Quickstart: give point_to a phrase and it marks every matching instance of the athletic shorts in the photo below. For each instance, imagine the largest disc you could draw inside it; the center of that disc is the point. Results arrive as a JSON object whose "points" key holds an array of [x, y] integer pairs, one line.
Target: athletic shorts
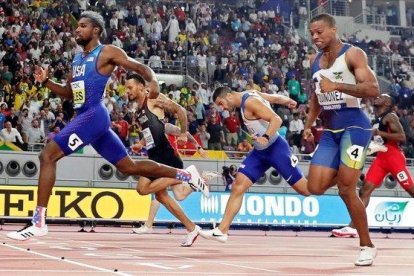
{"points": [[92, 127], [390, 162], [347, 147], [278, 156], [167, 157]]}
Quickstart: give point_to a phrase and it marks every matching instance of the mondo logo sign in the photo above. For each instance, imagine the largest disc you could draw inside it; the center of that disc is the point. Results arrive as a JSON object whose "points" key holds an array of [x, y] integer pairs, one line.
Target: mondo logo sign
{"points": [[267, 205]]}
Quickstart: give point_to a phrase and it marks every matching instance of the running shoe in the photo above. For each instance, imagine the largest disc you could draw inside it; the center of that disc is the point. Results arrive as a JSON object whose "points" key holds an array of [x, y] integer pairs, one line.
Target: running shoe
{"points": [[366, 256], [214, 234], [143, 229], [197, 182], [191, 237], [345, 232], [29, 231], [376, 147], [208, 175]]}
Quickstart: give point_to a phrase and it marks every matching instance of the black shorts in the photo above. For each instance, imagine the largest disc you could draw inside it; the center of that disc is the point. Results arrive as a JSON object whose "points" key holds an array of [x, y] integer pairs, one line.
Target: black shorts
{"points": [[168, 157]]}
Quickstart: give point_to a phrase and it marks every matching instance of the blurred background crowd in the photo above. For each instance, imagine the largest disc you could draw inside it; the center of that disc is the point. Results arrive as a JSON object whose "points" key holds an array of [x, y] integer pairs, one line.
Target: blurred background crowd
{"points": [[255, 46]]}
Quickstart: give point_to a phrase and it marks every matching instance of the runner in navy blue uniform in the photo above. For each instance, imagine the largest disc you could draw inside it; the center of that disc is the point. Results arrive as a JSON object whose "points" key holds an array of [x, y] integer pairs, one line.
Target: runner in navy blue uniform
{"points": [[91, 70], [342, 78], [270, 150]]}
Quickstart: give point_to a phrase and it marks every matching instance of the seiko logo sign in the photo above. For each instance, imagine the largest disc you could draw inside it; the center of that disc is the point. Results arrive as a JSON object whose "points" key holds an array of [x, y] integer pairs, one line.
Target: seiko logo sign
{"points": [[263, 205]]}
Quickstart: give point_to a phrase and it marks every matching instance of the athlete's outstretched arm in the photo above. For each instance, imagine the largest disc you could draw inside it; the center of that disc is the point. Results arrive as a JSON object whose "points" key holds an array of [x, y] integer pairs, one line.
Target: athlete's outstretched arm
{"points": [[175, 130], [397, 132], [366, 82], [278, 99], [118, 57], [41, 76]]}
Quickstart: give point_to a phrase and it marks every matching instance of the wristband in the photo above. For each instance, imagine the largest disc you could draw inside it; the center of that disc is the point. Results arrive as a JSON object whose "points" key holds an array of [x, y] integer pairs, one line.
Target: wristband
{"points": [[266, 136]]}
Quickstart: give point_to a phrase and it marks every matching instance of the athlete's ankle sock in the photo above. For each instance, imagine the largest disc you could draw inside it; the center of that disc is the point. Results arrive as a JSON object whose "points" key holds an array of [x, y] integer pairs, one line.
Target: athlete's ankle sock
{"points": [[39, 218], [183, 175]]}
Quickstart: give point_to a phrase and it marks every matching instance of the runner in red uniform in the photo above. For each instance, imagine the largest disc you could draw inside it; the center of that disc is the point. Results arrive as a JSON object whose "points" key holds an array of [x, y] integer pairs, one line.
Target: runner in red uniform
{"points": [[390, 133]]}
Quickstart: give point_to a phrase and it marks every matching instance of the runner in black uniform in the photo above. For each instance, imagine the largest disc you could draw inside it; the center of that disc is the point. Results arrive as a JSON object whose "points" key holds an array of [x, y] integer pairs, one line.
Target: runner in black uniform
{"points": [[150, 114]]}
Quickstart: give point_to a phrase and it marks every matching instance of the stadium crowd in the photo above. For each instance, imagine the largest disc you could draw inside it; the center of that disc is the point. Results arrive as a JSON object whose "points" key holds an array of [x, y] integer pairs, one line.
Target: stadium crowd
{"points": [[245, 48]]}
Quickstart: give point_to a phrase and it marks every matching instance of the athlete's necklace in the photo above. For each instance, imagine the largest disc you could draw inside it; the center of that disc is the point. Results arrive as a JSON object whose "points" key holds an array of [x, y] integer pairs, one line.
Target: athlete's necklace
{"points": [[85, 53]]}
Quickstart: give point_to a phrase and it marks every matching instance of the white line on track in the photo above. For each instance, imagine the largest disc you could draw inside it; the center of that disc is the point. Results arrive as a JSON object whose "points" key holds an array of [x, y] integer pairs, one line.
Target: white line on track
{"points": [[66, 260], [45, 271], [250, 267]]}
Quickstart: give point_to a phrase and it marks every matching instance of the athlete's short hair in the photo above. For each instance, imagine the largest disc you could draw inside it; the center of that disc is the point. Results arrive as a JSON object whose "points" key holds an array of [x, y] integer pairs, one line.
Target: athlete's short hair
{"points": [[96, 19], [136, 77], [324, 17], [391, 101], [221, 92]]}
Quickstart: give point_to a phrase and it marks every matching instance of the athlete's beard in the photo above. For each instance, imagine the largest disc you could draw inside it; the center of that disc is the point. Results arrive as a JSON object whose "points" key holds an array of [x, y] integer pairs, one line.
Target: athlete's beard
{"points": [[83, 42], [131, 97]]}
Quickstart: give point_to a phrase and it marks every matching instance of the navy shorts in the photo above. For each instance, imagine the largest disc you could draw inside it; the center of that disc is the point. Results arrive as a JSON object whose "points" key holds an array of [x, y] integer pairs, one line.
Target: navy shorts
{"points": [[277, 155], [92, 127]]}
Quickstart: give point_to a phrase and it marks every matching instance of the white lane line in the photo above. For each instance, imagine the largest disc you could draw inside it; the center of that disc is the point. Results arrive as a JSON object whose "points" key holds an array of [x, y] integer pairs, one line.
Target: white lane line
{"points": [[66, 260], [250, 267], [43, 271]]}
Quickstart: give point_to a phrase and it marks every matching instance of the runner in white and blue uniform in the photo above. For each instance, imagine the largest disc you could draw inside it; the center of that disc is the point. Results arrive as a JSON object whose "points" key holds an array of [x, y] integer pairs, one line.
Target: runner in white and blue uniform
{"points": [[270, 149], [86, 86], [342, 78]]}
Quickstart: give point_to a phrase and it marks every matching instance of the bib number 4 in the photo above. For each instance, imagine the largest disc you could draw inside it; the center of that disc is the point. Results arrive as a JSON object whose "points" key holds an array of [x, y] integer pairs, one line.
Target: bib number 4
{"points": [[355, 153]]}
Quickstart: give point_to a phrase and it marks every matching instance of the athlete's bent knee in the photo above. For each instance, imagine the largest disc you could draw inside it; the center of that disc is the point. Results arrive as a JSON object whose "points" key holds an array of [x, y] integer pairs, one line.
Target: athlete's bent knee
{"points": [[45, 157], [238, 189], [161, 197], [179, 197], [346, 192], [316, 190], [143, 190]]}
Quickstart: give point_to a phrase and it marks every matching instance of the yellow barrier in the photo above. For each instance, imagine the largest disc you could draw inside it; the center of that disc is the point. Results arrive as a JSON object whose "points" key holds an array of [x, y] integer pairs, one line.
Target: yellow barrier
{"points": [[124, 204]]}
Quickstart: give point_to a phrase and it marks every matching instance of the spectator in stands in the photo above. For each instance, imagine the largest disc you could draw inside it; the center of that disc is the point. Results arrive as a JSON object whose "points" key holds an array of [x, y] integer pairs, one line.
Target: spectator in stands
{"points": [[155, 62], [293, 88], [36, 137], [232, 127], [10, 134], [59, 121], [216, 134], [203, 135], [244, 146], [121, 128], [295, 128], [173, 28]]}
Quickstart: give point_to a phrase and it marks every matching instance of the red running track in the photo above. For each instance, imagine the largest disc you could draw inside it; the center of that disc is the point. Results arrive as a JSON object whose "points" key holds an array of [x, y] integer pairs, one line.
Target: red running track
{"points": [[116, 251]]}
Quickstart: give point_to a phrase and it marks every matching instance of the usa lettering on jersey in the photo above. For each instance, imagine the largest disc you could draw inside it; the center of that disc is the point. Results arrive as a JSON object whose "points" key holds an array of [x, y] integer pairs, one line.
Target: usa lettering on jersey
{"points": [[79, 71]]}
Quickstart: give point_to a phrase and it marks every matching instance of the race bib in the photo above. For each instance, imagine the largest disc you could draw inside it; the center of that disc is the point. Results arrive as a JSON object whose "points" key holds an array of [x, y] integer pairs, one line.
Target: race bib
{"points": [[355, 153], [78, 89], [149, 140]]}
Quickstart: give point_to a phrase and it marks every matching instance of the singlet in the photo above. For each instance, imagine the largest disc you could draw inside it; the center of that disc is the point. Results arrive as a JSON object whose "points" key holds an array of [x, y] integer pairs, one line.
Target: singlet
{"points": [[339, 110], [88, 85], [256, 127], [383, 127], [153, 130]]}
